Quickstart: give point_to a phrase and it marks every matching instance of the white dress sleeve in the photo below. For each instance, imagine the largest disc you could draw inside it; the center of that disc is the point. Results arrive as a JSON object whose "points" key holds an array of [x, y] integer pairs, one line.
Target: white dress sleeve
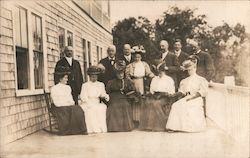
{"points": [[171, 86], [153, 85], [83, 94], [203, 87], [103, 92], [182, 86]]}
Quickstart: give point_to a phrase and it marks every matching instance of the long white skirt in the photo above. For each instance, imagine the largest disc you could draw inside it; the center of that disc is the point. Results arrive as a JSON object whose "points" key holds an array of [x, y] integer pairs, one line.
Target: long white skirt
{"points": [[187, 116], [95, 117]]}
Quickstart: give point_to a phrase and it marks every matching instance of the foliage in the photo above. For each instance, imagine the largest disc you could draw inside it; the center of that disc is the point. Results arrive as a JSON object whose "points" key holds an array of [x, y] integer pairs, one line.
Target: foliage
{"points": [[226, 44]]}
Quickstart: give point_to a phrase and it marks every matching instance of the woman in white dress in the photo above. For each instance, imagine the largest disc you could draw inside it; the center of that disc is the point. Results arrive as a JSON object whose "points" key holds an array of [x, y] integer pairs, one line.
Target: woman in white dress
{"points": [[93, 95], [187, 114]]}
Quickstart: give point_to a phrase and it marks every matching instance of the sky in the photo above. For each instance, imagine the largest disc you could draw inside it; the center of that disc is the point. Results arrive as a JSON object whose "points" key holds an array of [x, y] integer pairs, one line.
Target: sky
{"points": [[231, 12]]}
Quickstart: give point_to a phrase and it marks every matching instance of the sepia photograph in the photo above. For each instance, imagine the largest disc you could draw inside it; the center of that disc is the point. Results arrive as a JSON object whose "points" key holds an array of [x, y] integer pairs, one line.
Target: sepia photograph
{"points": [[124, 79]]}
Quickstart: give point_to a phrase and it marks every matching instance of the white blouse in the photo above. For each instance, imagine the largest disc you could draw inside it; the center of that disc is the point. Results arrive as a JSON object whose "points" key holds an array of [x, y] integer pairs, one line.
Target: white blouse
{"points": [[61, 95], [91, 91], [139, 69], [194, 84], [162, 84]]}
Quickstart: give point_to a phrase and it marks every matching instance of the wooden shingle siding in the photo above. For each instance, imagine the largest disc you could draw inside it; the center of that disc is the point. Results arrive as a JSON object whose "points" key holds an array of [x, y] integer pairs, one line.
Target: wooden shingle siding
{"points": [[23, 115]]}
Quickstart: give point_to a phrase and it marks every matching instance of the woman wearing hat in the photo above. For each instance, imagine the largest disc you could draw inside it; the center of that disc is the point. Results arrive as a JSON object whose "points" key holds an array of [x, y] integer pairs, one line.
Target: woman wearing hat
{"points": [[187, 114], [70, 117], [93, 95], [137, 71], [156, 108], [122, 93]]}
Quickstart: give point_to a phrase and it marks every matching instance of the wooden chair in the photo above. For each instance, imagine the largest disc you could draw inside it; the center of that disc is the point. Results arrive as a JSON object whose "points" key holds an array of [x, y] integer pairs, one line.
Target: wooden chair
{"points": [[52, 117]]}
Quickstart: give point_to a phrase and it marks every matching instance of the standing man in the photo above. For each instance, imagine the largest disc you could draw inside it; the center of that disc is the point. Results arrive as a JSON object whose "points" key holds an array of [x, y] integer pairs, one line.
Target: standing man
{"points": [[205, 66], [127, 57], [172, 65], [181, 56], [108, 64], [75, 79]]}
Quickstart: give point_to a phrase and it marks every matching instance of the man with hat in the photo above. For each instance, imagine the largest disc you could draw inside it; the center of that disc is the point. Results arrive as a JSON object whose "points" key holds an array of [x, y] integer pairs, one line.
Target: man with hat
{"points": [[205, 66], [127, 56], [172, 65], [108, 65], [75, 78]]}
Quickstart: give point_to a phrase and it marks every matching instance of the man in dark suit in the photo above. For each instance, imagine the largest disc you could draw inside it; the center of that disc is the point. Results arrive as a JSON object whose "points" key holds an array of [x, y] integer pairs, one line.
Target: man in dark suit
{"points": [[181, 56], [127, 56], [108, 64], [205, 67], [75, 79], [172, 65]]}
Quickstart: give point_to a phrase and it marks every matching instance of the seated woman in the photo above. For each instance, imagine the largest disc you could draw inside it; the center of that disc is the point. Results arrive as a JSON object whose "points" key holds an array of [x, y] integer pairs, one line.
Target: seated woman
{"points": [[70, 117], [156, 108], [121, 91], [93, 95], [187, 113], [137, 71]]}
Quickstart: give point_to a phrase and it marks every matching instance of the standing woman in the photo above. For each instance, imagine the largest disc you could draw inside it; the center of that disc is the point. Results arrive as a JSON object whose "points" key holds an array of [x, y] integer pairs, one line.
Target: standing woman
{"points": [[93, 95], [70, 117], [121, 91], [137, 71], [156, 108], [187, 114]]}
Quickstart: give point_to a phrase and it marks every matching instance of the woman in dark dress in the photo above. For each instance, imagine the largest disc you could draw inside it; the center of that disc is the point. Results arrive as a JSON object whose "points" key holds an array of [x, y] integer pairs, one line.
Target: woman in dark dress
{"points": [[122, 92], [70, 117], [157, 104]]}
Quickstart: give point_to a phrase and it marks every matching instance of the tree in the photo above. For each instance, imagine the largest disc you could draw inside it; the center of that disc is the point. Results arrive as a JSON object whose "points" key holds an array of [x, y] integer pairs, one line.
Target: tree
{"points": [[134, 31], [182, 24], [226, 44]]}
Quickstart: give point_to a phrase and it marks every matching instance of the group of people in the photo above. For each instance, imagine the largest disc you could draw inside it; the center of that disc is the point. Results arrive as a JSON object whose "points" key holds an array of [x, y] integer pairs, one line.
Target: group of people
{"points": [[115, 98]]}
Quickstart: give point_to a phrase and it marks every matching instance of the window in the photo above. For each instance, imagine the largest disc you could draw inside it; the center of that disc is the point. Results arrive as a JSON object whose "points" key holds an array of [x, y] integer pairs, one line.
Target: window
{"points": [[65, 38], [97, 53], [37, 50], [89, 53], [29, 48], [101, 53], [61, 39], [85, 59], [22, 53]]}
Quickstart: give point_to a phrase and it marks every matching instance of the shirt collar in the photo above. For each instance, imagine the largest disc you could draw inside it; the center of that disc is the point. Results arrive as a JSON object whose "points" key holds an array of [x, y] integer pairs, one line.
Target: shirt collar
{"points": [[69, 59], [177, 53], [111, 58]]}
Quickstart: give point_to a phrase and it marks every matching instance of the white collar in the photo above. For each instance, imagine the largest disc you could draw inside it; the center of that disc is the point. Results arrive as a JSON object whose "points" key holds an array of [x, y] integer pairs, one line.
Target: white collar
{"points": [[69, 59], [177, 53], [164, 54], [111, 58]]}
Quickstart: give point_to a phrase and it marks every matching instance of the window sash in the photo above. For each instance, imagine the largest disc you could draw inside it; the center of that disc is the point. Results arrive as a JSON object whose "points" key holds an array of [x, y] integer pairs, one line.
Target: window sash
{"points": [[42, 84]]}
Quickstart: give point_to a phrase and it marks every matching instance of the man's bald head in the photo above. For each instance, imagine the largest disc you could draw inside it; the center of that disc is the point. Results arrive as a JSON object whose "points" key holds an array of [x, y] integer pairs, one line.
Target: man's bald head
{"points": [[68, 51], [164, 46], [111, 51], [126, 49]]}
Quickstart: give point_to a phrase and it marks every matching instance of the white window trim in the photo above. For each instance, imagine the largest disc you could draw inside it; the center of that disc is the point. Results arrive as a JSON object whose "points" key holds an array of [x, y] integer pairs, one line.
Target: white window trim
{"points": [[31, 90]]}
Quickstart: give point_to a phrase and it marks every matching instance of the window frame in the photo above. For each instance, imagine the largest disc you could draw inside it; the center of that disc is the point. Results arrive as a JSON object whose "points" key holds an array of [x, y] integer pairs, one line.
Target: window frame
{"points": [[31, 90], [66, 30]]}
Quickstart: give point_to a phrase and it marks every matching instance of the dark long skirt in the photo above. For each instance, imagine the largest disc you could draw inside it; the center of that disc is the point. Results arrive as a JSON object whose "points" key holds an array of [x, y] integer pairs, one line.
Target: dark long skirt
{"points": [[154, 114], [119, 113], [71, 120]]}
